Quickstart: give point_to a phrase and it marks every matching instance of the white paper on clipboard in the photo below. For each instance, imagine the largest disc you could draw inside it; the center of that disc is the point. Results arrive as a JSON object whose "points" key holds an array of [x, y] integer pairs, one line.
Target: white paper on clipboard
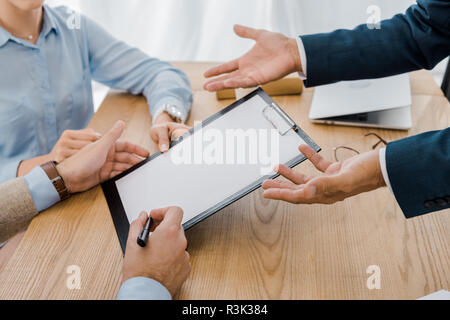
{"points": [[201, 184]]}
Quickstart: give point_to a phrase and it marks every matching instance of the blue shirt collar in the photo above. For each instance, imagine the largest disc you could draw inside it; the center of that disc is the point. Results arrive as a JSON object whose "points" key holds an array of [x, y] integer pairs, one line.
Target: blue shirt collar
{"points": [[49, 22], [4, 36], [48, 26]]}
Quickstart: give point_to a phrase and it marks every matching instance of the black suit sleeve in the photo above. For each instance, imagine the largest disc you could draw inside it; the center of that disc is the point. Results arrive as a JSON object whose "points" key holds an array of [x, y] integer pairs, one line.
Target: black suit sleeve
{"points": [[419, 172]]}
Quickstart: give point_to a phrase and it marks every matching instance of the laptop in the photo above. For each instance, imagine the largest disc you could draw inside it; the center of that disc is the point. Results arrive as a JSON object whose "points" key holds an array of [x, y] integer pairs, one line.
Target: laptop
{"points": [[377, 103]]}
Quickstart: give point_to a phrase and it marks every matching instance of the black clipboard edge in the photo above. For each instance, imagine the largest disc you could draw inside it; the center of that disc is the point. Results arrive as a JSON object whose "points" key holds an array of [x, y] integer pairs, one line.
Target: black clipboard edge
{"points": [[117, 211]]}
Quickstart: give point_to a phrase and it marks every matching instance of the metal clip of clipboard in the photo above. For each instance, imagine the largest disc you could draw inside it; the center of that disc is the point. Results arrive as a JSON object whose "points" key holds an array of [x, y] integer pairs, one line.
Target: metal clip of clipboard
{"points": [[279, 120]]}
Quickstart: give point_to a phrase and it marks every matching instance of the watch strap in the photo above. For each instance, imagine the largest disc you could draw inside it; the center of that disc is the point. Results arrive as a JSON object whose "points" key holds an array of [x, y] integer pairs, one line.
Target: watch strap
{"points": [[56, 179]]}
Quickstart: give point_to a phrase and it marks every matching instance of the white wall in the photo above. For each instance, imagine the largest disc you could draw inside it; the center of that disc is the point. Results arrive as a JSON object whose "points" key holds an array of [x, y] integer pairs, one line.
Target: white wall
{"points": [[201, 30]]}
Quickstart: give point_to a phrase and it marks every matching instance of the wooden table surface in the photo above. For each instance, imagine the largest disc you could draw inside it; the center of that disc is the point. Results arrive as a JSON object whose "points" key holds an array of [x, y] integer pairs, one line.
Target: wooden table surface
{"points": [[255, 248]]}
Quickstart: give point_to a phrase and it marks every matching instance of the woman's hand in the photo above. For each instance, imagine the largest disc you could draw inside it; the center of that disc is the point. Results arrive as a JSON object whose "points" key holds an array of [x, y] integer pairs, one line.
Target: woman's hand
{"points": [[165, 130], [339, 180], [71, 141], [100, 161]]}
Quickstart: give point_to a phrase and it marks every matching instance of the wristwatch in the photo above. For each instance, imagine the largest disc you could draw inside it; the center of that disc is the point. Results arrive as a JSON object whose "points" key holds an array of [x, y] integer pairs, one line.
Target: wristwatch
{"points": [[172, 110], [56, 179]]}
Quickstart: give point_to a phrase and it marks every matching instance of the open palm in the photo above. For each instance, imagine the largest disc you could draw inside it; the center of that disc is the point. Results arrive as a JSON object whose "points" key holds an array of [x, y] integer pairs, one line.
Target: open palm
{"points": [[271, 58], [339, 180]]}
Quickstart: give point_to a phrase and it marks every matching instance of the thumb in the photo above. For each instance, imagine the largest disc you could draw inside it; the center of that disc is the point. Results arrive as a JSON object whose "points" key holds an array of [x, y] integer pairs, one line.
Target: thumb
{"points": [[110, 138], [246, 32], [137, 225]]}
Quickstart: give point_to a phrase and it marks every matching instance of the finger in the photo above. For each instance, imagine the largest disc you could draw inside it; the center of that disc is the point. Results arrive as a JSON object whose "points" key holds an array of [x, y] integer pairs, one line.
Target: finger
{"points": [[121, 167], [158, 216], [214, 86], [246, 32], [290, 174], [128, 147], [270, 184], [92, 131], [177, 133], [137, 225], [319, 162], [218, 83], [302, 195], [175, 126], [223, 68], [85, 134], [182, 239], [77, 144], [110, 138], [128, 158], [288, 195], [240, 82], [176, 130], [64, 154], [173, 217], [231, 82], [114, 174], [163, 139]]}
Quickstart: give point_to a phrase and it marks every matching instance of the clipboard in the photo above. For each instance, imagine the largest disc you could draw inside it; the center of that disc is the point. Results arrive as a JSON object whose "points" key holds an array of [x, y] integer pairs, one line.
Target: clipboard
{"points": [[202, 189]]}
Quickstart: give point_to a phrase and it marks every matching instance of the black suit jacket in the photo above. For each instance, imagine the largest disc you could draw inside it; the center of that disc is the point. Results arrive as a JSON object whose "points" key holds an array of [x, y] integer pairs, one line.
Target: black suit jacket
{"points": [[418, 167]]}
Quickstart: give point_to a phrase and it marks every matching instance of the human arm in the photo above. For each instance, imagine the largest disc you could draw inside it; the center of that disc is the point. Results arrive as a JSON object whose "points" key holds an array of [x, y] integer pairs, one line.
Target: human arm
{"points": [[70, 142], [416, 168], [419, 172], [24, 197], [411, 41], [339, 180], [118, 65], [415, 40]]}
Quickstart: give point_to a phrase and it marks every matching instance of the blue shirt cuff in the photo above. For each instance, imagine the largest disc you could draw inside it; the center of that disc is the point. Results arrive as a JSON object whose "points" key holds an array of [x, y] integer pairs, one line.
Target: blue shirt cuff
{"points": [[42, 191], [141, 288]]}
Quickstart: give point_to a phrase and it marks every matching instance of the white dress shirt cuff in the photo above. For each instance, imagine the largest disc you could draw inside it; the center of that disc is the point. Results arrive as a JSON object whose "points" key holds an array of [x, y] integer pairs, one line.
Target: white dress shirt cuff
{"points": [[141, 288], [301, 49], [42, 191], [384, 168]]}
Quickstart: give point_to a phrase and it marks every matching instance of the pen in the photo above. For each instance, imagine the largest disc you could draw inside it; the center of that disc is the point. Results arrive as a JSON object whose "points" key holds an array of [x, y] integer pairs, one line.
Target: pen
{"points": [[143, 236]]}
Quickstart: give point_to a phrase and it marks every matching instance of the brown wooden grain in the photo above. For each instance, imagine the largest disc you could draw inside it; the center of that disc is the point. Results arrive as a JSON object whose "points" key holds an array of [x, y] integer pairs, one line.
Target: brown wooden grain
{"points": [[255, 248]]}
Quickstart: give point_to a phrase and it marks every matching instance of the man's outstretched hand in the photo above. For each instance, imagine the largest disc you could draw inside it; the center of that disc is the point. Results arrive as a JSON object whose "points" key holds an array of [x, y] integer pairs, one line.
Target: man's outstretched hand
{"points": [[339, 180], [272, 57]]}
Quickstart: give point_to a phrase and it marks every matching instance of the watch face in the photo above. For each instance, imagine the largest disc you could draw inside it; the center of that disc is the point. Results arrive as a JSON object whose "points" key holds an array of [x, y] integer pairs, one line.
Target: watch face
{"points": [[174, 113]]}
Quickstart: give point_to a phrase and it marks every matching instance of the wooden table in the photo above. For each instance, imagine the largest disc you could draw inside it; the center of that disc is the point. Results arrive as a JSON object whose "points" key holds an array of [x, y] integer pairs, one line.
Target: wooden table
{"points": [[254, 249]]}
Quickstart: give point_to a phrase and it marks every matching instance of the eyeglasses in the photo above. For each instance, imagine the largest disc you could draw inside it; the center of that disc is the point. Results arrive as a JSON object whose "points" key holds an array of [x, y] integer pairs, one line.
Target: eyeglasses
{"points": [[344, 152]]}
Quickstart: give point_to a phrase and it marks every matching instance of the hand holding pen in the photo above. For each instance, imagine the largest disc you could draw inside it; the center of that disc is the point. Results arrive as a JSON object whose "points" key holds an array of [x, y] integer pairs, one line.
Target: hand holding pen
{"points": [[164, 257]]}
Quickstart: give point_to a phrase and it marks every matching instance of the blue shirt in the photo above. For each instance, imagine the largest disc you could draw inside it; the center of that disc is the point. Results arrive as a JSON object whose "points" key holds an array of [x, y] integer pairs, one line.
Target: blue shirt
{"points": [[46, 88]]}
